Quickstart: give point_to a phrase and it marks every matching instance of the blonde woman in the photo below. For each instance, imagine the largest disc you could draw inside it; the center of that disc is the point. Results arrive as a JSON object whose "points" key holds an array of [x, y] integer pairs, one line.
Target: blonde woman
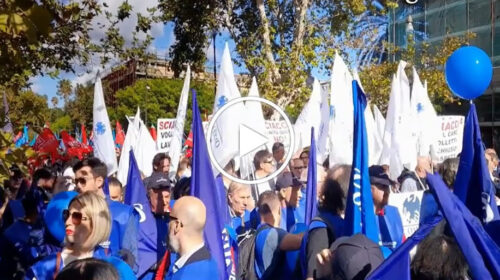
{"points": [[88, 223]]}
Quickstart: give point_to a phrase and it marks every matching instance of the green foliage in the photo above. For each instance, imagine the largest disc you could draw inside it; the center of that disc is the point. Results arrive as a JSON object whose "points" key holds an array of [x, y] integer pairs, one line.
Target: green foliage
{"points": [[279, 42], [10, 155], [64, 90], [160, 101], [79, 108], [62, 123], [428, 60], [27, 107]]}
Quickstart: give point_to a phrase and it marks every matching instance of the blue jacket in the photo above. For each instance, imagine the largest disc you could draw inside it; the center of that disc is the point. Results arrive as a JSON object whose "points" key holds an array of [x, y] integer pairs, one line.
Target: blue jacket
{"points": [[124, 229], [240, 225], [199, 266], [291, 216]]}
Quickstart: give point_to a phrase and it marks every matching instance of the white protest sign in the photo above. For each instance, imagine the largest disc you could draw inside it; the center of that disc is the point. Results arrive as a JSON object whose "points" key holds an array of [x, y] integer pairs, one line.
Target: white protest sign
{"points": [[277, 131], [408, 205], [450, 138], [164, 134]]}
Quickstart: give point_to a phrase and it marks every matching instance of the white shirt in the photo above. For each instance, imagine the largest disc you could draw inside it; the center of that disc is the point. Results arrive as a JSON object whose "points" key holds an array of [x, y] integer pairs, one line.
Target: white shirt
{"points": [[182, 260]]}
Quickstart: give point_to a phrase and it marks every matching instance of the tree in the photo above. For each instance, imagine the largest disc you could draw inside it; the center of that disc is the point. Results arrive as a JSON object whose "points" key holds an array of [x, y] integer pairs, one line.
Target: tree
{"points": [[280, 46], [160, 101], [28, 107], [428, 60], [80, 107], [62, 123], [54, 100], [56, 35], [64, 90]]}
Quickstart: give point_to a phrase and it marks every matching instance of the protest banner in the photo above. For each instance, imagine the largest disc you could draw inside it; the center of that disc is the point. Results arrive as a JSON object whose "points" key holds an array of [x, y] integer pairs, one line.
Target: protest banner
{"points": [[277, 131], [451, 135], [408, 205], [165, 132]]}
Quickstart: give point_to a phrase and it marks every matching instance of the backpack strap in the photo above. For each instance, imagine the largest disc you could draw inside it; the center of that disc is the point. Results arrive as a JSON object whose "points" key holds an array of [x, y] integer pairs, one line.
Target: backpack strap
{"points": [[58, 265]]}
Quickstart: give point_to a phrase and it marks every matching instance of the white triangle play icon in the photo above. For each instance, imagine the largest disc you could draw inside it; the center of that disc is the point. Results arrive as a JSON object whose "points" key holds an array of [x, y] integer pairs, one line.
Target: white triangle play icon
{"points": [[250, 140]]}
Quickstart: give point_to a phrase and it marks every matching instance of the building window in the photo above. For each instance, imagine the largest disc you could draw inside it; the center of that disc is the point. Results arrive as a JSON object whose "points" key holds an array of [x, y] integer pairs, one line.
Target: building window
{"points": [[436, 23], [479, 13], [456, 18]]}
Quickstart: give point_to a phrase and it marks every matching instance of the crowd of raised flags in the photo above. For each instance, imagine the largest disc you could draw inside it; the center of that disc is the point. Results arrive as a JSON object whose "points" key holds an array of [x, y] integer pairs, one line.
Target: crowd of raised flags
{"points": [[338, 127]]}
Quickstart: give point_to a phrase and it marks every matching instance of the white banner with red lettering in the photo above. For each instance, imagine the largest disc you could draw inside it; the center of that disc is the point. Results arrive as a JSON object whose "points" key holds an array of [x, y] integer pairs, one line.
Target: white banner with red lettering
{"points": [[450, 140], [277, 131], [164, 134]]}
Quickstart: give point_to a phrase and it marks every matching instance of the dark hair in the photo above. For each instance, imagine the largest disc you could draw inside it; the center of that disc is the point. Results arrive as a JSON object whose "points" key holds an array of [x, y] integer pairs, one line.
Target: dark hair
{"points": [[266, 199], [98, 167], [30, 206], [334, 197], [114, 181], [259, 158], [438, 257], [42, 173], [277, 146], [159, 157], [448, 171], [182, 188], [88, 269], [229, 166]]}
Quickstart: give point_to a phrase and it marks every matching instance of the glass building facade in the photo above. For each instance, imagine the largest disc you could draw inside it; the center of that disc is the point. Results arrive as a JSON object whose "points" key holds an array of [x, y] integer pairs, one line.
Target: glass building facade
{"points": [[434, 20]]}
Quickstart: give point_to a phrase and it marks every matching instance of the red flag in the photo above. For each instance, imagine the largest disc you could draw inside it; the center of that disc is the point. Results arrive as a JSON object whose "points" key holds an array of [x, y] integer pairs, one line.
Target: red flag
{"points": [[73, 147], [152, 130], [189, 140], [18, 136], [46, 142], [120, 135], [84, 135]]}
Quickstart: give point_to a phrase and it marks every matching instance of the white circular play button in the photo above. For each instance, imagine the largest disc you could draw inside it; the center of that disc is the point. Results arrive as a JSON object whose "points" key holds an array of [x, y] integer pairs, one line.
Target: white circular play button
{"points": [[250, 139]]}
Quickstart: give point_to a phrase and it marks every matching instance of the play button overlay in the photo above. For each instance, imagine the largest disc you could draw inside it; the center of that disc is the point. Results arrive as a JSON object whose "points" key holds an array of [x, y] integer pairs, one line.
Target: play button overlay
{"points": [[250, 140]]}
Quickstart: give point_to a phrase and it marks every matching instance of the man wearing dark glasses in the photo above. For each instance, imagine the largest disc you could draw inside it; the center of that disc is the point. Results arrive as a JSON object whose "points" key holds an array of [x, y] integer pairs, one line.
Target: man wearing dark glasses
{"points": [[90, 175]]}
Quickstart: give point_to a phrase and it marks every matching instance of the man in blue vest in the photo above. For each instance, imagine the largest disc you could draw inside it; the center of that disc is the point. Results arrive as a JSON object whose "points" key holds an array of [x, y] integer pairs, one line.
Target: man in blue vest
{"points": [[90, 175], [289, 191], [271, 242], [388, 218], [185, 237], [159, 199]]}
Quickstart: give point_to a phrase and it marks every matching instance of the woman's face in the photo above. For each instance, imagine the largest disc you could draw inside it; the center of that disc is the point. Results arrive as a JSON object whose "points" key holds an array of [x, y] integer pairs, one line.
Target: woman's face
{"points": [[78, 225]]}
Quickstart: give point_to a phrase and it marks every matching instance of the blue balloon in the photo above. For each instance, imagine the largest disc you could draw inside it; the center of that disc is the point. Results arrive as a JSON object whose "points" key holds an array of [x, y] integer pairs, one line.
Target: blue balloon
{"points": [[468, 72], [53, 216]]}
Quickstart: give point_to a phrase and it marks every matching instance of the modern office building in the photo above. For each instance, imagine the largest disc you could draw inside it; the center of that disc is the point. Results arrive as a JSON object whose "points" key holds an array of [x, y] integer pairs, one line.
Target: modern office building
{"points": [[433, 20]]}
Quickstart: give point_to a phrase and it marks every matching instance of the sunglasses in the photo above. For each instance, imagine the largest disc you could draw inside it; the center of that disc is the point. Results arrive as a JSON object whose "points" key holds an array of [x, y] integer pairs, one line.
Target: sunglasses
{"points": [[172, 218], [76, 217]]}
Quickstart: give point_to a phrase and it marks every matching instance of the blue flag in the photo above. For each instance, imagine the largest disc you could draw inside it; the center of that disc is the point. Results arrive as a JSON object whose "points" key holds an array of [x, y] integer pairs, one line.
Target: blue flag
{"points": [[311, 196], [203, 186], [135, 196], [473, 182], [33, 141], [397, 265], [479, 250], [360, 214], [24, 139]]}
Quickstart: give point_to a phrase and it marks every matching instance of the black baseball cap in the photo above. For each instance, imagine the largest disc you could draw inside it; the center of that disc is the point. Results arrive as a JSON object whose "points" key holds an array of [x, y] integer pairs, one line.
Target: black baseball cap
{"points": [[286, 180], [159, 181], [379, 177], [355, 257]]}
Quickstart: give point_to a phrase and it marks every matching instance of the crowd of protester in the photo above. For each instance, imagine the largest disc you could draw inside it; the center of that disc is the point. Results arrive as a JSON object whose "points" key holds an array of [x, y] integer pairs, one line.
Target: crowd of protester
{"points": [[268, 221]]}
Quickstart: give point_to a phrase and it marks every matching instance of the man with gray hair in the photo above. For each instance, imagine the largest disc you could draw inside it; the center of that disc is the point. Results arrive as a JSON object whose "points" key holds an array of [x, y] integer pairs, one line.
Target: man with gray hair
{"points": [[415, 180]]}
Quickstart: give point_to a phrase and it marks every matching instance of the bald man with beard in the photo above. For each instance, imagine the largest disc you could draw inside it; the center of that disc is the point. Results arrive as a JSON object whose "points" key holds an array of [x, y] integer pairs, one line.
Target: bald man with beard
{"points": [[185, 236]]}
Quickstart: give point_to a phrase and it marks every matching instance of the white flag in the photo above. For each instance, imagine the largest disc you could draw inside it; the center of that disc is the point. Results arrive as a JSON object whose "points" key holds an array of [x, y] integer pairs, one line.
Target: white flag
{"points": [[379, 120], [254, 118], [178, 135], [104, 146], [398, 149], [324, 128], [341, 114], [374, 140], [226, 129], [309, 117], [129, 144], [145, 150], [424, 118]]}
